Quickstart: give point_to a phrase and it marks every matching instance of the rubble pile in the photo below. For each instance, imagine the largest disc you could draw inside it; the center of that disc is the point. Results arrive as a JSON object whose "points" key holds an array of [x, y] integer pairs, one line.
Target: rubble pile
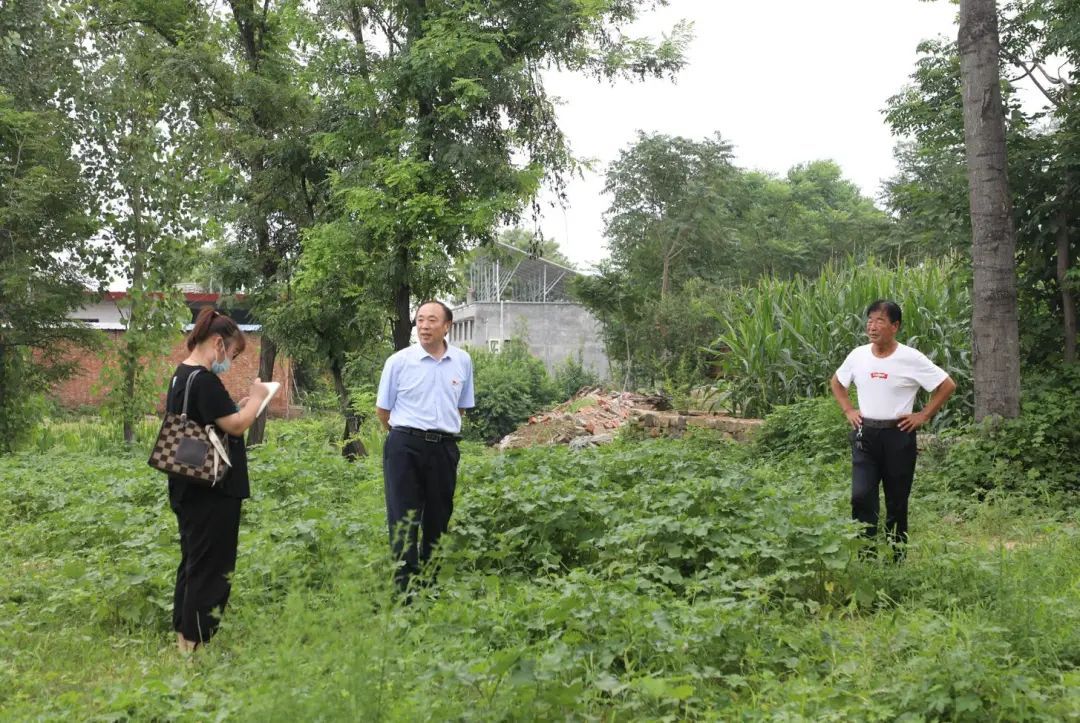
{"points": [[590, 413], [593, 417]]}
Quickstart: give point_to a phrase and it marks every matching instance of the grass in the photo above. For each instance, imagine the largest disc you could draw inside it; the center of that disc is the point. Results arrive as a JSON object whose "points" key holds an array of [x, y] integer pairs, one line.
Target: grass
{"points": [[658, 580]]}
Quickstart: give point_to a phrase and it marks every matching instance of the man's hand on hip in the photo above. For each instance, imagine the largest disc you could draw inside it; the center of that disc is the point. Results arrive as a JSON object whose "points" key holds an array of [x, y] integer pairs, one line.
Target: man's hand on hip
{"points": [[854, 417], [911, 422]]}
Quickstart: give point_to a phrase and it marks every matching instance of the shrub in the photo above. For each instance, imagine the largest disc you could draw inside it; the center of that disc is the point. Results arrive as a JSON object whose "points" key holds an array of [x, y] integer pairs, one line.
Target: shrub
{"points": [[1037, 453], [571, 376], [810, 429], [511, 386]]}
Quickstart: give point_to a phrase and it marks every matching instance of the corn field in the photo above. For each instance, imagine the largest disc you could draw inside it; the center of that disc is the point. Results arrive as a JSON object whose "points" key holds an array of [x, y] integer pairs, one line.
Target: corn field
{"points": [[783, 339]]}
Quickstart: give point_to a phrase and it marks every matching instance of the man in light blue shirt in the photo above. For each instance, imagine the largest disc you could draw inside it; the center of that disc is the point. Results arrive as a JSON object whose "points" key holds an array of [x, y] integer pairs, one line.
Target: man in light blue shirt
{"points": [[423, 393]]}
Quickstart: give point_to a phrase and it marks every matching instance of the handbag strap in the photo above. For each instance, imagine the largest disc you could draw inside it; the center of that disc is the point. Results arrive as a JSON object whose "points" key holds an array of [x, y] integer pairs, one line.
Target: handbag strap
{"points": [[187, 392]]}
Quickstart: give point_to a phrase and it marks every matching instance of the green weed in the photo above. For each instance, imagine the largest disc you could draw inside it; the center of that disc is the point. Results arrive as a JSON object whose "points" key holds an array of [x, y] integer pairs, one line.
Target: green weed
{"points": [[660, 580]]}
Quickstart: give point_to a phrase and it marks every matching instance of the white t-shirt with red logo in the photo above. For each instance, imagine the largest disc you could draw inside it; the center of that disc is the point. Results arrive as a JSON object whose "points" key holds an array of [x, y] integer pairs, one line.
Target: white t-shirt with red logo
{"points": [[886, 388]]}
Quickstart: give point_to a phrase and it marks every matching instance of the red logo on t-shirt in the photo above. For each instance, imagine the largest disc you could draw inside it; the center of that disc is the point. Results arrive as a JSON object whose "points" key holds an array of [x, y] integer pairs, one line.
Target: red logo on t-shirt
{"points": [[879, 375]]}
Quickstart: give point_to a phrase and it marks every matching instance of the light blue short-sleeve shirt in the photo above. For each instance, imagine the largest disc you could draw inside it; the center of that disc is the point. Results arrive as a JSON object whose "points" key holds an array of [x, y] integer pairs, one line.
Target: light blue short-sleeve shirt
{"points": [[426, 393]]}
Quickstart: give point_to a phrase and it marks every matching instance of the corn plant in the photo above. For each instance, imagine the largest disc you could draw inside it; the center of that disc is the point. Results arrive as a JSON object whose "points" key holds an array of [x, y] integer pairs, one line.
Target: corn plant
{"points": [[783, 339]]}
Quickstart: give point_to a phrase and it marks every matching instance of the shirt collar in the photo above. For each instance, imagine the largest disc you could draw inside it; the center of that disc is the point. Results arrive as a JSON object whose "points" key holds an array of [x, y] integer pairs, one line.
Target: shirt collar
{"points": [[420, 353]]}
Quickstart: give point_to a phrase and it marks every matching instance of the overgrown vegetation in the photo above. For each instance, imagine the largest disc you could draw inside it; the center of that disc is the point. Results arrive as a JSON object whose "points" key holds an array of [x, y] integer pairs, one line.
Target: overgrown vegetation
{"points": [[510, 386], [687, 228], [1037, 454], [781, 340], [687, 580]]}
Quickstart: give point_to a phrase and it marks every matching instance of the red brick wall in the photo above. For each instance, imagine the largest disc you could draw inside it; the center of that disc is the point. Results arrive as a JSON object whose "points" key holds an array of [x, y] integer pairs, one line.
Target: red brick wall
{"points": [[84, 387]]}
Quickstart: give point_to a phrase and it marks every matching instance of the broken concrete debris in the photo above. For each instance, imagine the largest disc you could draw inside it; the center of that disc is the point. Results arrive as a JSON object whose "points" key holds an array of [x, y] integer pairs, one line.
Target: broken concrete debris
{"points": [[593, 416]]}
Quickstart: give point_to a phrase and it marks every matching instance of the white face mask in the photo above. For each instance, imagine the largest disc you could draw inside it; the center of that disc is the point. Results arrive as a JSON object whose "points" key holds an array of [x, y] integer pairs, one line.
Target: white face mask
{"points": [[220, 367]]}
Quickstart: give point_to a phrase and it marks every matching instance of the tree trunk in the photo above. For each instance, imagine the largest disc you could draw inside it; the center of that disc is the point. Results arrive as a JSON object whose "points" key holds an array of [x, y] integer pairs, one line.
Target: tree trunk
{"points": [[402, 331], [5, 443], [414, 16], [665, 277], [402, 318], [130, 355], [994, 323], [267, 357], [351, 447], [1068, 303]]}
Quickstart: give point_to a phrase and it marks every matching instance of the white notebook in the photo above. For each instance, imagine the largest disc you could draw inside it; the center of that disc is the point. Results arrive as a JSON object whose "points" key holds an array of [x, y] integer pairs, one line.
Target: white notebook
{"points": [[273, 388]]}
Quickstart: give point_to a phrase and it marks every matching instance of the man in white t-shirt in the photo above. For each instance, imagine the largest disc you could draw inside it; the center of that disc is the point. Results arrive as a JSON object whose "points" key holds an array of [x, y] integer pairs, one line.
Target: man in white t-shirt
{"points": [[887, 376]]}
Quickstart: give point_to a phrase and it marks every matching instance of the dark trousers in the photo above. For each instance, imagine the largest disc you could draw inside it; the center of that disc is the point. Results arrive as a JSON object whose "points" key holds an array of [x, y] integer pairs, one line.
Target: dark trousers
{"points": [[419, 479], [209, 529], [888, 456]]}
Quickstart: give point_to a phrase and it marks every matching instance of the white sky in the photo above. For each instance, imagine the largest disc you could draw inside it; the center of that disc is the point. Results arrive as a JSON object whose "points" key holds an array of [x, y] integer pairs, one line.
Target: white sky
{"points": [[785, 81]]}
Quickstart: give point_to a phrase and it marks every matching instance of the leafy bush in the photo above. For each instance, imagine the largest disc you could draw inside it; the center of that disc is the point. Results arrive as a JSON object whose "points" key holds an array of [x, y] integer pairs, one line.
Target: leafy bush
{"points": [[22, 400], [511, 386], [783, 340], [813, 429], [667, 339], [1035, 454]]}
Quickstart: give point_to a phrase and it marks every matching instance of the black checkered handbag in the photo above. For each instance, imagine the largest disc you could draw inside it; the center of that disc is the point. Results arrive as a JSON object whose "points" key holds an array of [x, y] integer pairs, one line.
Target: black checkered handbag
{"points": [[186, 449]]}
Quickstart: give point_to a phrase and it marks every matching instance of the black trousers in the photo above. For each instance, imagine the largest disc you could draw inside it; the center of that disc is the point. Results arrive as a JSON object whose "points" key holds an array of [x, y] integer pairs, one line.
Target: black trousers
{"points": [[419, 479], [888, 456], [209, 530]]}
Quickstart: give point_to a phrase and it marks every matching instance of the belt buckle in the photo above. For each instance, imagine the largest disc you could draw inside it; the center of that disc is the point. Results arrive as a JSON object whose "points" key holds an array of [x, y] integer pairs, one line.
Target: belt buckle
{"points": [[432, 437]]}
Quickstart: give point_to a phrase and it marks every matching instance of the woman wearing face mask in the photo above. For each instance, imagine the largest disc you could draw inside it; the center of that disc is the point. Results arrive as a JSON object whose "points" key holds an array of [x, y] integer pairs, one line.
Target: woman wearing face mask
{"points": [[209, 517]]}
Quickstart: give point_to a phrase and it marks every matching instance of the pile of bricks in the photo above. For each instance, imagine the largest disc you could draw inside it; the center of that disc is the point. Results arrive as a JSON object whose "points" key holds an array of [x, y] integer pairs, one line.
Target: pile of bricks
{"points": [[590, 413]]}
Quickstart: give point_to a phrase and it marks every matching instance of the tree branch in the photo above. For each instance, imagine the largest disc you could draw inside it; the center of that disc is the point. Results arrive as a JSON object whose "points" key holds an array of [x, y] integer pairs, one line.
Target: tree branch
{"points": [[156, 29], [1030, 73], [388, 31]]}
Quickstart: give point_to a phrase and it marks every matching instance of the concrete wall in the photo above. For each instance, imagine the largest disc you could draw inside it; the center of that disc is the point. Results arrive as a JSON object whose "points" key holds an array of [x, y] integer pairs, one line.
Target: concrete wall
{"points": [[554, 331]]}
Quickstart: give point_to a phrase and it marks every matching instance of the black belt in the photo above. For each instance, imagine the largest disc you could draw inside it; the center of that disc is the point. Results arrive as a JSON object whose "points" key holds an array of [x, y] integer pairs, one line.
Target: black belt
{"points": [[880, 423], [433, 436]]}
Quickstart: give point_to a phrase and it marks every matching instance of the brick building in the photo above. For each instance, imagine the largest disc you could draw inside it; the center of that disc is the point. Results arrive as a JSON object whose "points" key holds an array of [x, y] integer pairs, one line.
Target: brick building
{"points": [[84, 387]]}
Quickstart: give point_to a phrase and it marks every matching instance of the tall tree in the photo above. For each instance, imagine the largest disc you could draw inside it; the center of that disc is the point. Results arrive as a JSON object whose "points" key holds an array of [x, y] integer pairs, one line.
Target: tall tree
{"points": [[1045, 29], [139, 151], [995, 322], [442, 130], [46, 258], [240, 66], [930, 194], [263, 125], [671, 210]]}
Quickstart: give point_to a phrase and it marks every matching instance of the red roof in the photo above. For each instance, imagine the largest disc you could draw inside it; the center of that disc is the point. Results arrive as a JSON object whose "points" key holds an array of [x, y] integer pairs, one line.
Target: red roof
{"points": [[189, 297]]}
